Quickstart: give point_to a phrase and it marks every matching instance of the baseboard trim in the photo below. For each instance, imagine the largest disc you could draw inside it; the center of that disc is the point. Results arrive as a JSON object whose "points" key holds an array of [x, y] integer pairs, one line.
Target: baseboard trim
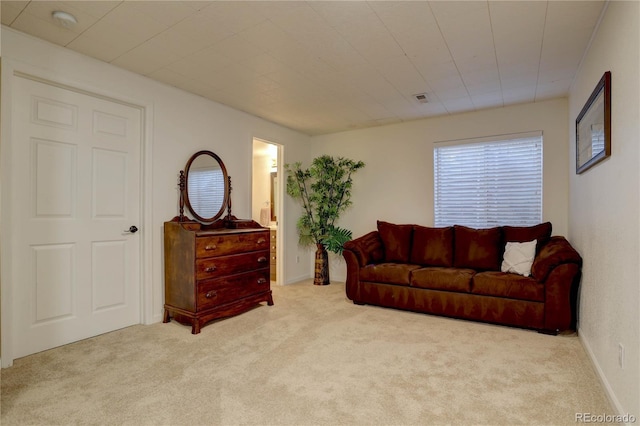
{"points": [[338, 278], [603, 379], [298, 279]]}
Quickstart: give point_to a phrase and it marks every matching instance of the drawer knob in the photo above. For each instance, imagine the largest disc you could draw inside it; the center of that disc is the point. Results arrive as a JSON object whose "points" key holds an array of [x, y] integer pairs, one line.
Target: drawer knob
{"points": [[262, 259], [262, 241], [210, 268], [261, 280], [210, 294], [211, 247]]}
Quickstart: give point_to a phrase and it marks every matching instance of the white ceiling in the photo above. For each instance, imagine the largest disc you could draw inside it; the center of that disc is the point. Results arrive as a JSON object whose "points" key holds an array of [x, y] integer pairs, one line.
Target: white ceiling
{"points": [[327, 66]]}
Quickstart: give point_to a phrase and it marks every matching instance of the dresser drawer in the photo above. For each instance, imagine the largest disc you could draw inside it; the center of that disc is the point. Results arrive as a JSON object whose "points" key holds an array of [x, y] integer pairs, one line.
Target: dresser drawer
{"points": [[221, 245], [228, 289], [216, 267]]}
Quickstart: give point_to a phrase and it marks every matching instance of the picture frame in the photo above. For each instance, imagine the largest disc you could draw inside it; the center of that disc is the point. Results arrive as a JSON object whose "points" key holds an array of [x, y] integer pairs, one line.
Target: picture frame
{"points": [[593, 127]]}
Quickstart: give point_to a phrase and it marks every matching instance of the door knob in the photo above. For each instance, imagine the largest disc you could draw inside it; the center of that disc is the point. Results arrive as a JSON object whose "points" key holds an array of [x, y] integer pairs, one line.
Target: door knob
{"points": [[132, 230]]}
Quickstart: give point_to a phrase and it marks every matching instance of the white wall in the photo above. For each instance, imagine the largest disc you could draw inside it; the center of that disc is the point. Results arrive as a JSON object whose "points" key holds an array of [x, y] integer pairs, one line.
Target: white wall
{"points": [[396, 184], [180, 124], [604, 211]]}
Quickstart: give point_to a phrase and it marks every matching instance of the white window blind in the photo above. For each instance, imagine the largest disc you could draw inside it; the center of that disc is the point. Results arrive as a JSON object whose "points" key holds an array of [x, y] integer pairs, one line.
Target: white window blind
{"points": [[489, 183]]}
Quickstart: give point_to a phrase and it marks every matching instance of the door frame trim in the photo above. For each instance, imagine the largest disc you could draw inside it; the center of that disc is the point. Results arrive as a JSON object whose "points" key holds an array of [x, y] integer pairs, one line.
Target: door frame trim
{"points": [[12, 69], [280, 271]]}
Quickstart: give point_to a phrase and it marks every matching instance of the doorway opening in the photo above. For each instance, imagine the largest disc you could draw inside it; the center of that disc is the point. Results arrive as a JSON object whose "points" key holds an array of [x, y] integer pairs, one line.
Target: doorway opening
{"points": [[266, 199]]}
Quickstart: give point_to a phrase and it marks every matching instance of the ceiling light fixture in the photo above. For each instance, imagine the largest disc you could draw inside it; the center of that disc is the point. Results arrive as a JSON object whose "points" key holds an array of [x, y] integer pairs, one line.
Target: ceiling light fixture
{"points": [[64, 19]]}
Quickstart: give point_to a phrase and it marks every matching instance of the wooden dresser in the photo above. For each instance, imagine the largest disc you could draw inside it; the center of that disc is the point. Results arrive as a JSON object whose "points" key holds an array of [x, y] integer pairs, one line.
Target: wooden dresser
{"points": [[214, 273]]}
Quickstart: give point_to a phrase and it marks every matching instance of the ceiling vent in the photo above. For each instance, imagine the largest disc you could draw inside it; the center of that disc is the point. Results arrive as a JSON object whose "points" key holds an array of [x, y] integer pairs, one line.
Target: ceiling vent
{"points": [[422, 98]]}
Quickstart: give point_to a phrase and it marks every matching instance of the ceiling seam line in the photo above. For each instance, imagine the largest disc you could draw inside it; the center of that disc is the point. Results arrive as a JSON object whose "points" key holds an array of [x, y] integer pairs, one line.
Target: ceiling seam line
{"points": [[495, 54], [90, 26], [544, 30], [451, 55], [424, 80], [395, 116]]}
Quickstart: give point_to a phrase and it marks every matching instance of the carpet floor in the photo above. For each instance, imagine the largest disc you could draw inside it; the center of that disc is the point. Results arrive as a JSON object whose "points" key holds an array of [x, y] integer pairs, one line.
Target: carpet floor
{"points": [[314, 358]]}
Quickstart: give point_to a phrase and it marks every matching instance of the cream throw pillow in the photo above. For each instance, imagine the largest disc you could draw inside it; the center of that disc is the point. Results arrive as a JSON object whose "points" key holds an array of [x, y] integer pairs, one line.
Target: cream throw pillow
{"points": [[518, 257]]}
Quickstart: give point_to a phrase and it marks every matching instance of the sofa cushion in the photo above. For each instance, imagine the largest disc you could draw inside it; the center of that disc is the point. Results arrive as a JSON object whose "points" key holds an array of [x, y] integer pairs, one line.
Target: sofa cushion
{"points": [[479, 249], [512, 286], [396, 240], [432, 246], [392, 273], [518, 257], [521, 234], [449, 279]]}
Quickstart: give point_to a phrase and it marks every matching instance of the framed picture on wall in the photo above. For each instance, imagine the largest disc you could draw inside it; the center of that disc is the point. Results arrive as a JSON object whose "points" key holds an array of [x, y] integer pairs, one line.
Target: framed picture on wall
{"points": [[593, 127]]}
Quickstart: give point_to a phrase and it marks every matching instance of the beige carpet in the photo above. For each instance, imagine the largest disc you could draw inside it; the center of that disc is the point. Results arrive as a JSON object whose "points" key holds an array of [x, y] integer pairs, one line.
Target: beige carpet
{"points": [[313, 358]]}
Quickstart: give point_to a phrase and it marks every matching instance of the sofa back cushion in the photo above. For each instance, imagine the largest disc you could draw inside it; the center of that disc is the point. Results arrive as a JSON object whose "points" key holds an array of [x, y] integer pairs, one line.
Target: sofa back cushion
{"points": [[523, 234], [396, 240], [432, 246], [479, 249]]}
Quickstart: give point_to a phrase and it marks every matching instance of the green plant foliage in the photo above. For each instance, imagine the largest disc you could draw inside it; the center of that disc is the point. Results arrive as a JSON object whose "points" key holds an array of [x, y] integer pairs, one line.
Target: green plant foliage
{"points": [[324, 189], [336, 237]]}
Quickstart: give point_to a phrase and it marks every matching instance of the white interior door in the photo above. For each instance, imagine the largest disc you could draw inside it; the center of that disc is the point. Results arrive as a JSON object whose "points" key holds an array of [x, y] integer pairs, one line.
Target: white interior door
{"points": [[75, 183]]}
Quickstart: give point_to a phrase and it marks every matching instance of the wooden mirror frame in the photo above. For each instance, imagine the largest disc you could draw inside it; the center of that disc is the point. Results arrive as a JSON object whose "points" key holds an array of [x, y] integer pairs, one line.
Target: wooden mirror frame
{"points": [[601, 94], [184, 192]]}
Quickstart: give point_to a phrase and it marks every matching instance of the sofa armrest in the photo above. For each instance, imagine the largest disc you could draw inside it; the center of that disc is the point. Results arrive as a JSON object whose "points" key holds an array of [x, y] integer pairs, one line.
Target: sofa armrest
{"points": [[367, 248], [358, 253], [559, 266], [352, 282], [561, 295], [555, 252]]}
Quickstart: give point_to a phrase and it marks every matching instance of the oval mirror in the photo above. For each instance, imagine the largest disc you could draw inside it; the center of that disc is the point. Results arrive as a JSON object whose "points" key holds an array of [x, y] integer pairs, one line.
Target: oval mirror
{"points": [[206, 186]]}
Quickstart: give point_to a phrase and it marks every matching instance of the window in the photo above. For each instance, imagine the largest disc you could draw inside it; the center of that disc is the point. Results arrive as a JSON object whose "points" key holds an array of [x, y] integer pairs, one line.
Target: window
{"points": [[483, 184]]}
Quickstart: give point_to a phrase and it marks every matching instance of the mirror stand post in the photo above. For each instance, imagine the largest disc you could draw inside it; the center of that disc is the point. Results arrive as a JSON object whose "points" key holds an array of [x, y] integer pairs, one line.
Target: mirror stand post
{"points": [[181, 185], [229, 217], [230, 220]]}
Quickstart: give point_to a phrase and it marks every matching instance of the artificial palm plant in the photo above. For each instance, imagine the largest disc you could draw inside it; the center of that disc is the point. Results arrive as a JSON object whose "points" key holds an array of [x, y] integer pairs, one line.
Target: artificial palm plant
{"points": [[324, 189]]}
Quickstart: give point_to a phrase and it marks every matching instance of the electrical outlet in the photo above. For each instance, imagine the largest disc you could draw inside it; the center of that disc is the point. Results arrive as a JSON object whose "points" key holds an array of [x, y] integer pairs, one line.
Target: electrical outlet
{"points": [[620, 355]]}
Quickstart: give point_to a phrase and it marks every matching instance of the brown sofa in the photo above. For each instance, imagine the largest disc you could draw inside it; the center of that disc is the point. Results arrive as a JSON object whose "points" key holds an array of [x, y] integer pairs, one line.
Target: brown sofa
{"points": [[456, 272]]}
